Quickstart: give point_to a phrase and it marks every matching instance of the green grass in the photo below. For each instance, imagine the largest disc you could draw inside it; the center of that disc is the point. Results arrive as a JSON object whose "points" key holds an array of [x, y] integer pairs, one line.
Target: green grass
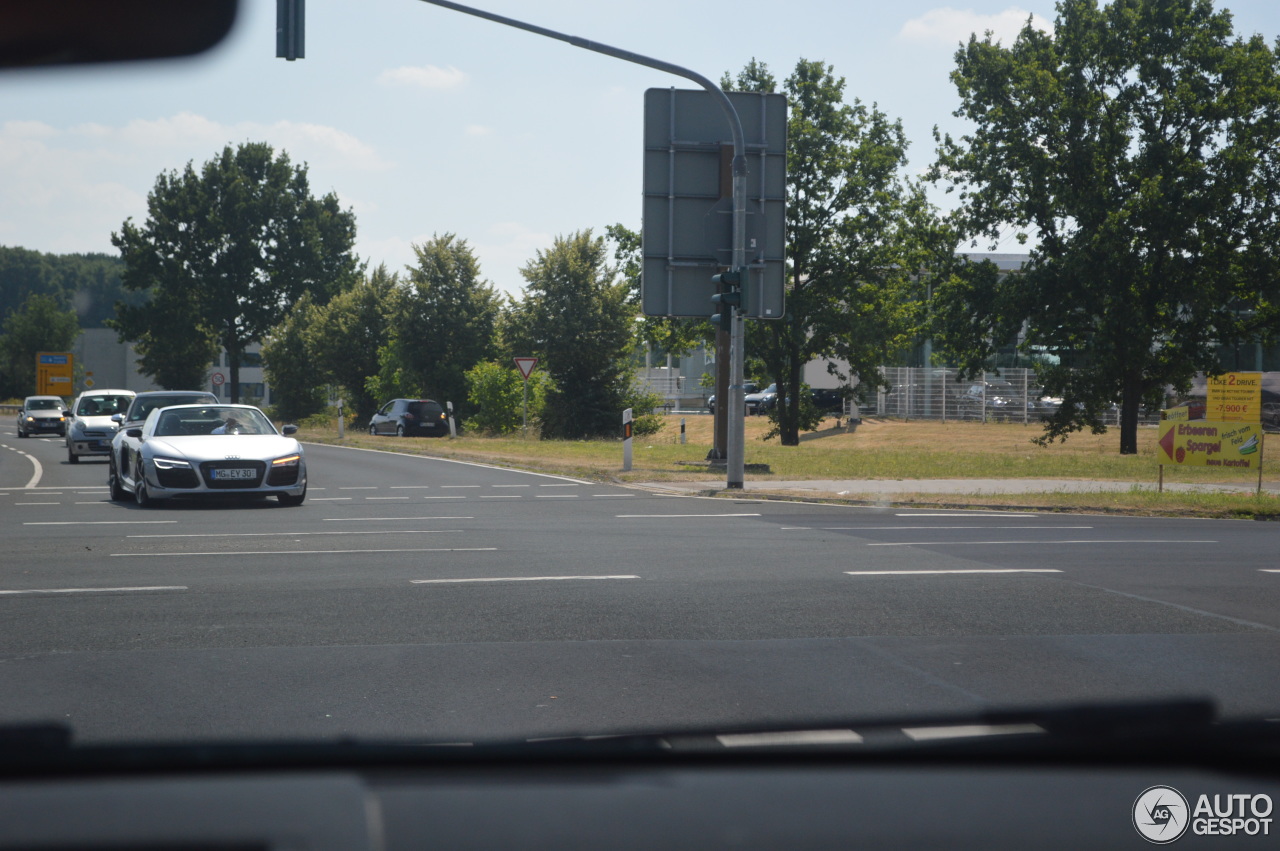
{"points": [[877, 450]]}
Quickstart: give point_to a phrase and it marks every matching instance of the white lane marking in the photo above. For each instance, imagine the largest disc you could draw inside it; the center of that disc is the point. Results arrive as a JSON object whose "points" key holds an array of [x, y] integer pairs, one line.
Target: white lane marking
{"points": [[94, 522], [444, 497], [306, 552], [1267, 570], [410, 487], [299, 534], [37, 503], [459, 486], [35, 477], [503, 496], [936, 572], [791, 737], [614, 495], [360, 488], [924, 734], [960, 514], [96, 590], [557, 496], [917, 528], [641, 516], [94, 502], [517, 579], [393, 519], [1032, 541], [565, 485], [384, 498], [511, 486], [330, 499]]}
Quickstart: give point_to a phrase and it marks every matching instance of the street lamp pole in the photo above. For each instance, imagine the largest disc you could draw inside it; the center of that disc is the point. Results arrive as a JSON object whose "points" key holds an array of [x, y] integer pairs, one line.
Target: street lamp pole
{"points": [[736, 437]]}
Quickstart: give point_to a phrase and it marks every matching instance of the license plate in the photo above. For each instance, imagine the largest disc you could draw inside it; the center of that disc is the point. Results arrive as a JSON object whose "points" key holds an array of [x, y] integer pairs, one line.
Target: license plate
{"points": [[235, 473]]}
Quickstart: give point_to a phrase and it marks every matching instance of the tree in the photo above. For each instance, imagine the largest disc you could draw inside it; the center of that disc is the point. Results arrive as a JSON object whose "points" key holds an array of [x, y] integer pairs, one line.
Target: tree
{"points": [[41, 324], [858, 236], [238, 244], [577, 320], [443, 325], [297, 384], [345, 335], [88, 283], [1137, 143]]}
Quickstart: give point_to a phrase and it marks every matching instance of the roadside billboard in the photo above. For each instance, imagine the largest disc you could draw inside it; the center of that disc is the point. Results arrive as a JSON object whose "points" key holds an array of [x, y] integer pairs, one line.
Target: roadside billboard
{"points": [[1234, 397], [1210, 443]]}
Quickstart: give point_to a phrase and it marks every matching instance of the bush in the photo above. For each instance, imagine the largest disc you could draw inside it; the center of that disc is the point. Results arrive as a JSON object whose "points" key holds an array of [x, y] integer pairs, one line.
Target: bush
{"points": [[496, 393]]}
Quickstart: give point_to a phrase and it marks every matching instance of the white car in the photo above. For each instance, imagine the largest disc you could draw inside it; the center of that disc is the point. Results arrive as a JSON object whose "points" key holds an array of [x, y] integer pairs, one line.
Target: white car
{"points": [[92, 426], [208, 449]]}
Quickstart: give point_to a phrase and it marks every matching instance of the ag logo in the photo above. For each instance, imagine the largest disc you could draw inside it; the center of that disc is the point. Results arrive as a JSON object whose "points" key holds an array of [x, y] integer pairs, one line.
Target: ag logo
{"points": [[1160, 814]]}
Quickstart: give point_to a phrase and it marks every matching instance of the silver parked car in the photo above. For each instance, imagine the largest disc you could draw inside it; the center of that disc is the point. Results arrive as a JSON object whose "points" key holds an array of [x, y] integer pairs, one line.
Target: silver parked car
{"points": [[92, 426], [42, 415], [203, 450]]}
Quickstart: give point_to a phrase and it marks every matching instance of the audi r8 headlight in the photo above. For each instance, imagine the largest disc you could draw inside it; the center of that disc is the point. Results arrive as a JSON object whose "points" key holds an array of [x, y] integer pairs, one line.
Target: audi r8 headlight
{"points": [[287, 461], [170, 464]]}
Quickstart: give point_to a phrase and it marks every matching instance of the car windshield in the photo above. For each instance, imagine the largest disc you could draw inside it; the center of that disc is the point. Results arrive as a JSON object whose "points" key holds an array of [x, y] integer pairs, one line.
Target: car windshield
{"points": [[1008, 239], [102, 406], [143, 406], [219, 421]]}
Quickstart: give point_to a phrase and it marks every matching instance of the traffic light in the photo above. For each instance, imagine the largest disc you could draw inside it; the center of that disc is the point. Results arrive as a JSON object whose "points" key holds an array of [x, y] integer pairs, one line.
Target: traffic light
{"points": [[732, 295], [290, 15]]}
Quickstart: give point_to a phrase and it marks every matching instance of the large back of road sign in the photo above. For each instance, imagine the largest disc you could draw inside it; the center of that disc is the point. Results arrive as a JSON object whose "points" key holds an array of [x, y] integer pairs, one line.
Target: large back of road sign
{"points": [[688, 212]]}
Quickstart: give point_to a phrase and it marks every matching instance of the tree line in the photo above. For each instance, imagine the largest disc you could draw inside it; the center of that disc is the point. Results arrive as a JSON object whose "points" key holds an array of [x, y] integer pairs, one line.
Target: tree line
{"points": [[1134, 150]]}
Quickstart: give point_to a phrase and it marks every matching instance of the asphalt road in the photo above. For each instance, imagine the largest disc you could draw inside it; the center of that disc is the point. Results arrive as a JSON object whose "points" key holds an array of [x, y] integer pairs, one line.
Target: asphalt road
{"points": [[412, 597]]}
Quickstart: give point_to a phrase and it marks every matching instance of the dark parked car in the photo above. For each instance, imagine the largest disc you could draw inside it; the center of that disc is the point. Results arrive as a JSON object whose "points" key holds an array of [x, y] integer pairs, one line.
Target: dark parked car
{"points": [[748, 387], [411, 417], [827, 400]]}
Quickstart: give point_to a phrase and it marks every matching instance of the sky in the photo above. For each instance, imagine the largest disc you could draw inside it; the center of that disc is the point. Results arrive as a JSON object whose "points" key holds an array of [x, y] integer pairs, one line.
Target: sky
{"points": [[427, 121]]}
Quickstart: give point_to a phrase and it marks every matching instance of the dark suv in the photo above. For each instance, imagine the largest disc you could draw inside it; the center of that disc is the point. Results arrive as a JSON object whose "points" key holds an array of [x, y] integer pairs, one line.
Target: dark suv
{"points": [[409, 417]]}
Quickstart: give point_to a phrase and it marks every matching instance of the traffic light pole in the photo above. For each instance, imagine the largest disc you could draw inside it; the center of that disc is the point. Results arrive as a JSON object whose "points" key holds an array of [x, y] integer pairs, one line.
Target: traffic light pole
{"points": [[736, 435]]}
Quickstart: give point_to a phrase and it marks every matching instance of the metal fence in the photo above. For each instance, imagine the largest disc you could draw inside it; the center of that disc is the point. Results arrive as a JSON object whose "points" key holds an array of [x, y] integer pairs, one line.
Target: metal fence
{"points": [[935, 393]]}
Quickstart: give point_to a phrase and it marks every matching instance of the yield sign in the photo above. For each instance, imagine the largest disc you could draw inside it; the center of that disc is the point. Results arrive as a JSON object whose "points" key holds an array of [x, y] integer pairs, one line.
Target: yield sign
{"points": [[525, 365]]}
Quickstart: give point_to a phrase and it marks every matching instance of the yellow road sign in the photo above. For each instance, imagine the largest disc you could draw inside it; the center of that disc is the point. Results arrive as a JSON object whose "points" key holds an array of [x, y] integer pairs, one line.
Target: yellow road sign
{"points": [[53, 373], [1234, 397], [1210, 443]]}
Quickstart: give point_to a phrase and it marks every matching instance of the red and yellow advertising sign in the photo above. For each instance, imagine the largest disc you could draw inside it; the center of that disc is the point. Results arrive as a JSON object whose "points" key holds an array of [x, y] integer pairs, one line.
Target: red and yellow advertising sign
{"points": [[1210, 443], [1234, 397]]}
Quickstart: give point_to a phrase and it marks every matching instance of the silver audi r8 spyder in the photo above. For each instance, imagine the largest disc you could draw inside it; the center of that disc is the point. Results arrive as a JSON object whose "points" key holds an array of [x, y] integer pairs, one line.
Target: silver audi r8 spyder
{"points": [[205, 450]]}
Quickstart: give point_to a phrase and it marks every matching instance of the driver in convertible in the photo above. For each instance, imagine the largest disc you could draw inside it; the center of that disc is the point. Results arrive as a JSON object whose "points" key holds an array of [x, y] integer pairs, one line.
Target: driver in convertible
{"points": [[230, 426]]}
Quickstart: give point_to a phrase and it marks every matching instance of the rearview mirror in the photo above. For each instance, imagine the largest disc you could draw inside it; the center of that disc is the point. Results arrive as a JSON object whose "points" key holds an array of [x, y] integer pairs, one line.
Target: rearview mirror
{"points": [[69, 32]]}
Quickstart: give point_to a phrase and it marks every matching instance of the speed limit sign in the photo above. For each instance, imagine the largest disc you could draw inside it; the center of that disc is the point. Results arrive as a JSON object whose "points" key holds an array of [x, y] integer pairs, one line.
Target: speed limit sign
{"points": [[218, 379]]}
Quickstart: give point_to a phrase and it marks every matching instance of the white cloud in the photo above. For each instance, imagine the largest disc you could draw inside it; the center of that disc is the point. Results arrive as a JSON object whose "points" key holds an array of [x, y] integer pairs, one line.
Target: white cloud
{"points": [[949, 26], [68, 188], [478, 130], [426, 76], [505, 248], [27, 130]]}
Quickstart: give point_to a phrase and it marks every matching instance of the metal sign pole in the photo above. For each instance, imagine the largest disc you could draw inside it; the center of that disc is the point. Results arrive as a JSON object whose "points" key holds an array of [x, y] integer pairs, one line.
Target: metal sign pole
{"points": [[736, 428]]}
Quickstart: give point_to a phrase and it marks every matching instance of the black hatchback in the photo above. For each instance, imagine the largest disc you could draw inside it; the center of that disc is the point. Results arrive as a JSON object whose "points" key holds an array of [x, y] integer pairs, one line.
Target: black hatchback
{"points": [[410, 417]]}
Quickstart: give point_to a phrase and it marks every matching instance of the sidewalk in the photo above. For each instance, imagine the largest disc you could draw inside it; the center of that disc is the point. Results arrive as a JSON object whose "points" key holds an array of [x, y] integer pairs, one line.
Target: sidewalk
{"points": [[861, 488]]}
